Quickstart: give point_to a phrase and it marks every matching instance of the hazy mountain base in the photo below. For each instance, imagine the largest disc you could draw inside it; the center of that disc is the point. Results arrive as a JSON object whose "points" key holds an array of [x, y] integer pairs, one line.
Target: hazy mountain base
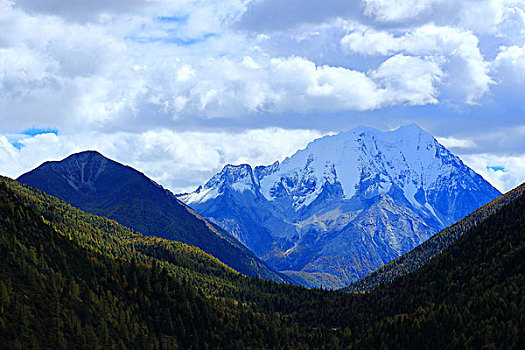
{"points": [[323, 280]]}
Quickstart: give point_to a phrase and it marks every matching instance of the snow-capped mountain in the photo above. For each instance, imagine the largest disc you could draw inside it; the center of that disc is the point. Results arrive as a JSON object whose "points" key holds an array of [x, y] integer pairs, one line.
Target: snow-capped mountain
{"points": [[346, 204]]}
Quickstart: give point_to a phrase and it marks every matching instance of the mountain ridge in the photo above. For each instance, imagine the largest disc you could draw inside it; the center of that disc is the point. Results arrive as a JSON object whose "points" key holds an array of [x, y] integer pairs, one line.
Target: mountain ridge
{"points": [[73, 279], [100, 186], [313, 211]]}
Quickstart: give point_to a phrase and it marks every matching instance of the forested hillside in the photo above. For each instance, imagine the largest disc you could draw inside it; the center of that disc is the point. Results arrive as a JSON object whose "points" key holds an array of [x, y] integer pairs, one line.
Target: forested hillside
{"points": [[204, 272], [470, 296], [101, 186], [83, 281], [70, 279]]}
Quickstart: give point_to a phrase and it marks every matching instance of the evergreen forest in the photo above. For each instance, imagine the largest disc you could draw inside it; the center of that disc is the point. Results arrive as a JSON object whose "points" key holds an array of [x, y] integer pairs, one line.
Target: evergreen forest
{"points": [[69, 280]]}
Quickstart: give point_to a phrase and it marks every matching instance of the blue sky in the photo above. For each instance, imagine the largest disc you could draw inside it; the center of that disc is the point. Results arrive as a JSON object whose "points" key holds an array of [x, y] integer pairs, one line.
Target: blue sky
{"points": [[179, 88]]}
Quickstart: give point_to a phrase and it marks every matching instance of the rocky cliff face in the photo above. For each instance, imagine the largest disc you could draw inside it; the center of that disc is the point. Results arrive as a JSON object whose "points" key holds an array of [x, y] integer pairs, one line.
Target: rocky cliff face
{"points": [[346, 204]]}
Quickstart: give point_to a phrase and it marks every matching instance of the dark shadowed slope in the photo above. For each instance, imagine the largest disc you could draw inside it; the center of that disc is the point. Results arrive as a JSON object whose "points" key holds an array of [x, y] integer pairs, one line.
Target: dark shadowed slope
{"points": [[71, 280], [100, 186], [422, 254]]}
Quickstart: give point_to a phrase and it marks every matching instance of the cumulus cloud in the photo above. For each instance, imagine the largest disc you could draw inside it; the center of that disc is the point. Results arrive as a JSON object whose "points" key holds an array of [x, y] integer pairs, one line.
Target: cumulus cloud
{"points": [[398, 10], [143, 70], [424, 40], [301, 85], [138, 71], [456, 49], [295, 84], [409, 80], [178, 160], [499, 17], [509, 64], [503, 172], [93, 78]]}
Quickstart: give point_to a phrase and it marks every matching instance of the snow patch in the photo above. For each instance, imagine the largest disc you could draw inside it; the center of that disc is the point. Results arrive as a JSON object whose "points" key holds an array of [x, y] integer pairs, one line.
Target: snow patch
{"points": [[200, 196]]}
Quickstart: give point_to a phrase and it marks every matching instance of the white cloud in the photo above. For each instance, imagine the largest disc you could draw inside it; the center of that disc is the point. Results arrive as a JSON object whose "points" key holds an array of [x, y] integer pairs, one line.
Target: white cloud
{"points": [[397, 10], [117, 82], [409, 80], [424, 40], [301, 85], [452, 142], [456, 49], [178, 160], [509, 64], [20, 66], [504, 172], [494, 17], [134, 69]]}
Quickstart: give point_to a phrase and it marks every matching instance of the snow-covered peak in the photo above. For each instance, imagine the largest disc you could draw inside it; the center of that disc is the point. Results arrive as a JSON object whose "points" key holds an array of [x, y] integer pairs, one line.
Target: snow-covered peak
{"points": [[407, 157], [237, 177], [346, 203], [262, 171], [364, 160], [232, 174]]}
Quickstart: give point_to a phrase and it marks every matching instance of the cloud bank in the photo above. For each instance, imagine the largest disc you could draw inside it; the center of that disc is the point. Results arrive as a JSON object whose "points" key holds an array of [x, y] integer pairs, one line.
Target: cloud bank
{"points": [[122, 75]]}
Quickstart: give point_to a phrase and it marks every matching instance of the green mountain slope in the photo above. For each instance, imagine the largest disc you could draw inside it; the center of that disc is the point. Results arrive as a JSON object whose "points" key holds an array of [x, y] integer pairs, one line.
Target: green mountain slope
{"points": [[100, 186], [204, 272], [422, 254], [54, 294], [74, 280]]}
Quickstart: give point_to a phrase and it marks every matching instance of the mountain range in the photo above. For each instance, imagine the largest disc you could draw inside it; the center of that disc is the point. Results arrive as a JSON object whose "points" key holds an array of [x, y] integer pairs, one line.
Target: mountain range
{"points": [[345, 205], [69, 279], [100, 186]]}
